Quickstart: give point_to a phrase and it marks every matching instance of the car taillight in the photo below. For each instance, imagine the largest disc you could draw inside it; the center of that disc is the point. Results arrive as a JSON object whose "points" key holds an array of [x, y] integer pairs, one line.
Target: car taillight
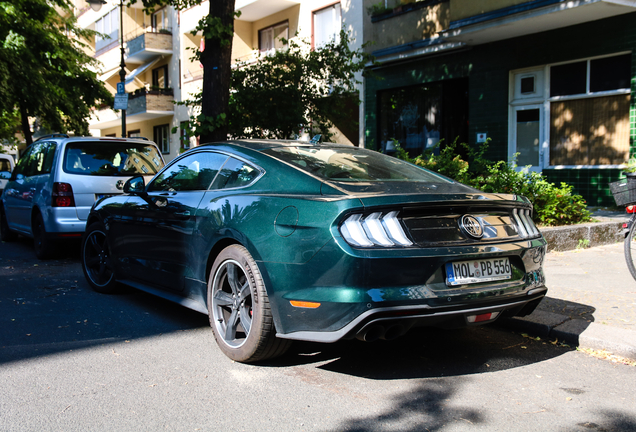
{"points": [[525, 226], [374, 230], [62, 195]]}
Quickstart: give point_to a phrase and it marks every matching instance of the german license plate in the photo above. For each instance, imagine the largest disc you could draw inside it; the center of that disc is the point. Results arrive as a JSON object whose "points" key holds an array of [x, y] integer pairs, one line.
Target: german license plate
{"points": [[475, 271]]}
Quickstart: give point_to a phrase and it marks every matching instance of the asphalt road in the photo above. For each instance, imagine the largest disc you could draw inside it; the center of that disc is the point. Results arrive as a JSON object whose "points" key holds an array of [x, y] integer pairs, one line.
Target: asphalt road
{"points": [[75, 360]]}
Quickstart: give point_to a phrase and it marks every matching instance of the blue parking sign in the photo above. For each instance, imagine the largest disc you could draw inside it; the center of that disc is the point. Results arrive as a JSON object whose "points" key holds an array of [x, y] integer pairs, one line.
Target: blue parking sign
{"points": [[121, 88]]}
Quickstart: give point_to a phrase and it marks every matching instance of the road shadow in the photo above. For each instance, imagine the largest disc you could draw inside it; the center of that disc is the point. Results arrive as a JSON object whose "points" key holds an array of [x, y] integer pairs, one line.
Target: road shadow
{"points": [[426, 353], [570, 309], [555, 319], [47, 307]]}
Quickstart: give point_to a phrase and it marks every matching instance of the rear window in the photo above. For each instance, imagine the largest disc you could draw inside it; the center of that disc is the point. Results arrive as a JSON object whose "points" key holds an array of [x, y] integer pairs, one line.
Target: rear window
{"points": [[5, 165], [352, 164], [111, 159]]}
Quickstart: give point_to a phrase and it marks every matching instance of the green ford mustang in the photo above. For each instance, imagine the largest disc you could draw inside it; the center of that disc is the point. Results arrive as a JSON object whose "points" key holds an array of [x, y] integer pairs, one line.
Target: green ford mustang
{"points": [[284, 240]]}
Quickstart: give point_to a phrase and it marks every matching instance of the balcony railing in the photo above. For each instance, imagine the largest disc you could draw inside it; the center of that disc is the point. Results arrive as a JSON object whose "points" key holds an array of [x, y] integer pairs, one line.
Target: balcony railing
{"points": [[143, 100], [148, 43]]}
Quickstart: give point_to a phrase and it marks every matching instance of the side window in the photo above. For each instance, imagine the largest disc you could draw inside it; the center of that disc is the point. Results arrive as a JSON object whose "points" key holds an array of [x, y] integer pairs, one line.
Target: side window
{"points": [[49, 158], [32, 163], [23, 164], [193, 172], [235, 173]]}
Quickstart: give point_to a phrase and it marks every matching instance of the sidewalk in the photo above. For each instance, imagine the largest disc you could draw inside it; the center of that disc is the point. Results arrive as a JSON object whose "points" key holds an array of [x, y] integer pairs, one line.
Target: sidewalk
{"points": [[591, 298]]}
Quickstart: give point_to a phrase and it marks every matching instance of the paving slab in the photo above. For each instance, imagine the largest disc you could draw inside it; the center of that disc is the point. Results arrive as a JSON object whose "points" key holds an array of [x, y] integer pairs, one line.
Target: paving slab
{"points": [[591, 301]]}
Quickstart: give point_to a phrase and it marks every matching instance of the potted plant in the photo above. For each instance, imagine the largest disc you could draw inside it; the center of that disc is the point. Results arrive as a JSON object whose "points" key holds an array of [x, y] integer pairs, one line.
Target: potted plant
{"points": [[630, 173], [630, 167]]}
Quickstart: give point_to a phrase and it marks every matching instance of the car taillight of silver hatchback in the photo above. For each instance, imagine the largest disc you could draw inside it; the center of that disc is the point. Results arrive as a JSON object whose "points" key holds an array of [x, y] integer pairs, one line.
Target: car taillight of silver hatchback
{"points": [[62, 195], [374, 230]]}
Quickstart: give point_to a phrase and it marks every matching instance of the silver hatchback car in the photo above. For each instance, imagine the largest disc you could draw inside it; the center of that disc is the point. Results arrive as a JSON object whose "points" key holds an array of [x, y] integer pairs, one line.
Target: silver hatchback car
{"points": [[58, 178]]}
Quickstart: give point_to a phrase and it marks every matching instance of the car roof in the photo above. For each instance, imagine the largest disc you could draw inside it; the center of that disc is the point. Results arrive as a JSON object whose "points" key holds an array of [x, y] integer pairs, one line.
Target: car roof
{"points": [[265, 144], [63, 138]]}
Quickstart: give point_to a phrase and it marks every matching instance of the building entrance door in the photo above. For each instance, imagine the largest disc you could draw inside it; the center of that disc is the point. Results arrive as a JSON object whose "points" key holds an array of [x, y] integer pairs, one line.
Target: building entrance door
{"points": [[528, 137]]}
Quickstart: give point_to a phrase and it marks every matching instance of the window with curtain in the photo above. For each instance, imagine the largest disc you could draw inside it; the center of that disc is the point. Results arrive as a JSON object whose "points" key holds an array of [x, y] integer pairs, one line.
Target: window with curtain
{"points": [[327, 24], [109, 26], [273, 37], [589, 111]]}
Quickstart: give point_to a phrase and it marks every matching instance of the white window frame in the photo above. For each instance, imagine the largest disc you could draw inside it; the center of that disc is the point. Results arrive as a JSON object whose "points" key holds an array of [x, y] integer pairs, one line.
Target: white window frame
{"points": [[271, 40], [335, 22], [107, 24], [543, 97], [160, 20]]}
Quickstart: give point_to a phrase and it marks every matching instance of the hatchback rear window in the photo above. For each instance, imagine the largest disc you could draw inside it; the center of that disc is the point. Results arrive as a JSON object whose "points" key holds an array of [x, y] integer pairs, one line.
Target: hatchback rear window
{"points": [[111, 159], [352, 164]]}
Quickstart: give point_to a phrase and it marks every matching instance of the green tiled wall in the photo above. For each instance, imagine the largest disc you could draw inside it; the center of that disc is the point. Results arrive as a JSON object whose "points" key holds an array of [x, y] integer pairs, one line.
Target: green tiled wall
{"points": [[488, 67], [590, 183]]}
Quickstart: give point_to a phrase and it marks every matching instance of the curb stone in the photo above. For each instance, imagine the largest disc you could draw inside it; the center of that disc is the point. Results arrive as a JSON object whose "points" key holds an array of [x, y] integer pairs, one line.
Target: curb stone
{"points": [[566, 238]]}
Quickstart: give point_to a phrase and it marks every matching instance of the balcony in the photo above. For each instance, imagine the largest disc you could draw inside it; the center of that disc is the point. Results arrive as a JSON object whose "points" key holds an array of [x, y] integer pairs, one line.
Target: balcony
{"points": [[143, 105], [149, 102], [528, 18], [148, 43], [253, 10]]}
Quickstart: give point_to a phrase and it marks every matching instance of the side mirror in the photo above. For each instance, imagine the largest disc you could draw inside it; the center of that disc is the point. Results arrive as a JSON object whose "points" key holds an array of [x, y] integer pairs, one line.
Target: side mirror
{"points": [[5, 175], [135, 185]]}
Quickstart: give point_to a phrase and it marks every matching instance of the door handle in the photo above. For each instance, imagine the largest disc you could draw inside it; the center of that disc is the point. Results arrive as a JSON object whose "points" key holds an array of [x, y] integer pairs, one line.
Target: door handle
{"points": [[183, 213]]}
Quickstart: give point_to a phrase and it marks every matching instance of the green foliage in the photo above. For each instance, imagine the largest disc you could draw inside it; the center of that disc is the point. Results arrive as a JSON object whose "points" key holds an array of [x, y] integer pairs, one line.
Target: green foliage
{"points": [[212, 27], [583, 244], [294, 88], [553, 205], [377, 9], [46, 72], [9, 127], [630, 165]]}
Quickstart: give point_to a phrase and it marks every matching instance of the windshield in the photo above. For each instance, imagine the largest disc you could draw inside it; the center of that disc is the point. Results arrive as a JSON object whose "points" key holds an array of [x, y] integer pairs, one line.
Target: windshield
{"points": [[112, 159], [352, 164]]}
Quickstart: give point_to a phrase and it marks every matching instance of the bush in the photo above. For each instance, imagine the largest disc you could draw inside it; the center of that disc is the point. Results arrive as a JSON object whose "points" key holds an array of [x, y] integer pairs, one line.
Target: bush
{"points": [[553, 205]]}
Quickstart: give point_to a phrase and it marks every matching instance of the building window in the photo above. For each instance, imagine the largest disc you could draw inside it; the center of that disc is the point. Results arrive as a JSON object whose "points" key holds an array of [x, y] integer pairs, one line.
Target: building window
{"points": [[160, 77], [184, 135], [134, 133], [273, 37], [419, 117], [590, 131], [160, 21], [586, 129], [108, 25], [591, 76], [162, 138], [327, 24]]}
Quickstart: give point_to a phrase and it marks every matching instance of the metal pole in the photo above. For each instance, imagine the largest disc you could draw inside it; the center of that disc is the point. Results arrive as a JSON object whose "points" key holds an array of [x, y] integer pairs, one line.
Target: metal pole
{"points": [[122, 71]]}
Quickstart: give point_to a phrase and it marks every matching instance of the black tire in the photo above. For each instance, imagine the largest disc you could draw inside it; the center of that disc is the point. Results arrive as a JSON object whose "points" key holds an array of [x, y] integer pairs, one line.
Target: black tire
{"points": [[630, 250], [239, 309], [41, 243], [96, 261], [6, 235]]}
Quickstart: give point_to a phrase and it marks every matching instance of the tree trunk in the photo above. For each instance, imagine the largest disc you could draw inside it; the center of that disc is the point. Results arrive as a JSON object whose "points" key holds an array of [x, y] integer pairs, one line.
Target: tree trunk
{"points": [[26, 129], [216, 60]]}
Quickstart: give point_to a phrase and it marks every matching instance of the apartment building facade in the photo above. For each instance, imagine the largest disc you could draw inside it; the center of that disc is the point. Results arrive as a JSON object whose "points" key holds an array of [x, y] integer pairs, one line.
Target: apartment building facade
{"points": [[159, 61], [549, 80]]}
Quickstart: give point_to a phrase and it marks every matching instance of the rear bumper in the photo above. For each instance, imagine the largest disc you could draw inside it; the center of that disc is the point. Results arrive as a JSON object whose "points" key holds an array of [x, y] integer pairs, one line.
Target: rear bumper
{"points": [[63, 222], [390, 322], [337, 296]]}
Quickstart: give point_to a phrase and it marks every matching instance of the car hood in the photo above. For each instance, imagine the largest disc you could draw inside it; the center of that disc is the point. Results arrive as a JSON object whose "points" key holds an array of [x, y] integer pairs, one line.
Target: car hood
{"points": [[387, 193]]}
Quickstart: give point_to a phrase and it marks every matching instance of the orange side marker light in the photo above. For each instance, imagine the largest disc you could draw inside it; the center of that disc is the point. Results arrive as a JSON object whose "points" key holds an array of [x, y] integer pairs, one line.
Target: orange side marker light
{"points": [[304, 304]]}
